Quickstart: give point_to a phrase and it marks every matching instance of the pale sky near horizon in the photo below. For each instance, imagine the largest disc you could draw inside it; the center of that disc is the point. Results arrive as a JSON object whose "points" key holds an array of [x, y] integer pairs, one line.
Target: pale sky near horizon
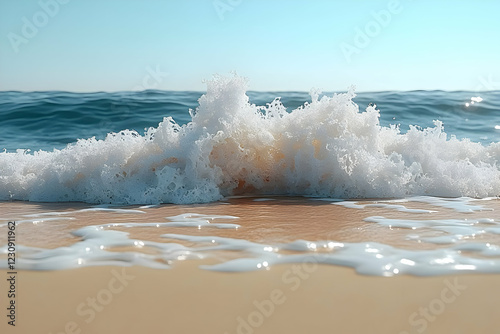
{"points": [[279, 45]]}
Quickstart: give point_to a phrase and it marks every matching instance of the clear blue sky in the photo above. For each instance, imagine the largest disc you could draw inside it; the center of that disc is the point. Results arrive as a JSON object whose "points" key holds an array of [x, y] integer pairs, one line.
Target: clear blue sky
{"points": [[113, 45]]}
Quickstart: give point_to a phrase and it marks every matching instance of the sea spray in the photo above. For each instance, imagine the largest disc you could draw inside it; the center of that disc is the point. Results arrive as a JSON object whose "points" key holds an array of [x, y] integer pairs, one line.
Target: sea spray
{"points": [[325, 148]]}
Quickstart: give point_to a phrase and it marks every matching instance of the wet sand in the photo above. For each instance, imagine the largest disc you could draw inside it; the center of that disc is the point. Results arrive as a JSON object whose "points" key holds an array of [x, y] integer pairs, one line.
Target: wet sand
{"points": [[295, 298], [282, 219]]}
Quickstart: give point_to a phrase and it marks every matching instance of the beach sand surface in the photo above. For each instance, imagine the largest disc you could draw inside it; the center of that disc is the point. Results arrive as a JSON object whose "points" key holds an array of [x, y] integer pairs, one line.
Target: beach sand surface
{"points": [[286, 298]]}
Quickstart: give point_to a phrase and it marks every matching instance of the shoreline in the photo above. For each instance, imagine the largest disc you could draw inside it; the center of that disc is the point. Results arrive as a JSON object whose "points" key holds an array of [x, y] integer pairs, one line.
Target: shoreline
{"points": [[270, 219]]}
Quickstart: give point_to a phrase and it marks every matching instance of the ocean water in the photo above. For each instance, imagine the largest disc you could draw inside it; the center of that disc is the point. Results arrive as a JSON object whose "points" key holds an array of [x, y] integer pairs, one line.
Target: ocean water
{"points": [[188, 147], [437, 149], [52, 120]]}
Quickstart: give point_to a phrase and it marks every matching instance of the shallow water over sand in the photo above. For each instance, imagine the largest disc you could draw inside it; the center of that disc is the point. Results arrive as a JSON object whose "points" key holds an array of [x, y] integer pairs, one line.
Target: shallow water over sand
{"points": [[417, 236]]}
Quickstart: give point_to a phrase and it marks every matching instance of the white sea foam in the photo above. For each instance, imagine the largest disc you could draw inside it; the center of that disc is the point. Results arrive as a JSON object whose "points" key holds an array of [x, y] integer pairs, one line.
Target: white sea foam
{"points": [[98, 242], [369, 258], [93, 209], [102, 245], [443, 231], [186, 220], [97, 245], [397, 207], [327, 148], [460, 204], [36, 221]]}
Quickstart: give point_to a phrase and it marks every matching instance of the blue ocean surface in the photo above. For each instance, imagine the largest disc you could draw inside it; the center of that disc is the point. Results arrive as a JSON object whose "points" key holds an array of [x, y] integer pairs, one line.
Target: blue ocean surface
{"points": [[155, 146], [48, 120]]}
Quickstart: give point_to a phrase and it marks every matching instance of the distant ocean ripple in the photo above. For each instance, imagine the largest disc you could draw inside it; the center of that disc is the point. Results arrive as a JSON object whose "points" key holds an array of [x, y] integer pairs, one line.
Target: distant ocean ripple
{"points": [[48, 120]]}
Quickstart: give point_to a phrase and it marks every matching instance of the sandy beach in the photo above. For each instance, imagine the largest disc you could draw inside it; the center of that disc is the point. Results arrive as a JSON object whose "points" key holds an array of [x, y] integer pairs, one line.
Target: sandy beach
{"points": [[285, 298], [249, 167], [282, 300]]}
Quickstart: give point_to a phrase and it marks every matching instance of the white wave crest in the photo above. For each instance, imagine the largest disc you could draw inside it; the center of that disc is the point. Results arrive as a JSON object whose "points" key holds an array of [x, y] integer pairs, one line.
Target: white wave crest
{"points": [[326, 148]]}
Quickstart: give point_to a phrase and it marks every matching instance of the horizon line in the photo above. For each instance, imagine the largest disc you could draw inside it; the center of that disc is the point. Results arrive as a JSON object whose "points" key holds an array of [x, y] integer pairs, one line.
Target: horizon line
{"points": [[248, 91]]}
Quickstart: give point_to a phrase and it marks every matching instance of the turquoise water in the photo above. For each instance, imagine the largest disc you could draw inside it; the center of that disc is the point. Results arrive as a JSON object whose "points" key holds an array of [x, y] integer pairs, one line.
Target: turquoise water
{"points": [[48, 120], [190, 147]]}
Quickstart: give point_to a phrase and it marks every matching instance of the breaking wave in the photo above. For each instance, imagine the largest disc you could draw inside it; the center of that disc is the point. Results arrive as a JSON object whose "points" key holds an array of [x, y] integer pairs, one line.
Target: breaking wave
{"points": [[326, 148]]}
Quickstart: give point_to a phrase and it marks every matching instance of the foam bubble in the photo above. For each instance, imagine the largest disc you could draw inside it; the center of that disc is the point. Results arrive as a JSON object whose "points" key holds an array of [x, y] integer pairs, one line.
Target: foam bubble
{"points": [[37, 221], [102, 245], [397, 207], [97, 246], [460, 204], [326, 148], [453, 229]]}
